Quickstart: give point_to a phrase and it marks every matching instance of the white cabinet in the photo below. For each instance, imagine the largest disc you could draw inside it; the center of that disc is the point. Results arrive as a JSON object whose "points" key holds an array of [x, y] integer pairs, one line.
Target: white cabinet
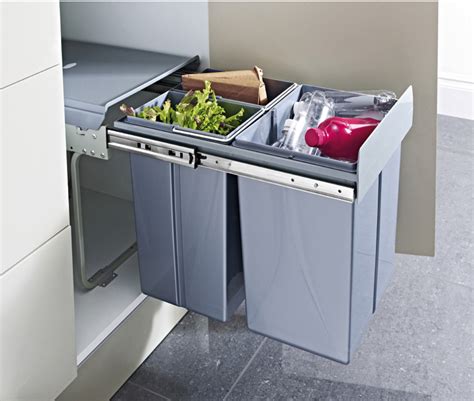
{"points": [[37, 352], [30, 39], [33, 168]]}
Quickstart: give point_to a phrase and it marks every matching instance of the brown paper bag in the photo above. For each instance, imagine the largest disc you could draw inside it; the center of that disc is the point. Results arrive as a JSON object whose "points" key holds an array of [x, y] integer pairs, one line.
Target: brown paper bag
{"points": [[246, 86]]}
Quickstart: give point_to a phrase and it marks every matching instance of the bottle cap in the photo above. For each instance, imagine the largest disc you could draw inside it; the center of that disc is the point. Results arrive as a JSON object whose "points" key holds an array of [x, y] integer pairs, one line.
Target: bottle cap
{"points": [[298, 107], [314, 137]]}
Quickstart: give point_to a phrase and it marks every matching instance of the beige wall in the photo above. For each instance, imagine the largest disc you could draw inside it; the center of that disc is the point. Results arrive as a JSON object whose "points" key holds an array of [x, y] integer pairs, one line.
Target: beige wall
{"points": [[349, 46], [168, 27]]}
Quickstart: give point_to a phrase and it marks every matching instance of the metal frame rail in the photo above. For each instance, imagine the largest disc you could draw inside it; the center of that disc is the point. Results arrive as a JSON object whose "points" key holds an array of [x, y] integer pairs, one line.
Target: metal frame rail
{"points": [[103, 276], [189, 157]]}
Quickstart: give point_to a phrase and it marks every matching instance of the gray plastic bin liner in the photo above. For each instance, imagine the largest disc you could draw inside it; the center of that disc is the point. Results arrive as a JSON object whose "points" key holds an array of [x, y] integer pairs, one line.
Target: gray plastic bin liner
{"points": [[309, 264], [188, 235], [230, 106], [267, 130]]}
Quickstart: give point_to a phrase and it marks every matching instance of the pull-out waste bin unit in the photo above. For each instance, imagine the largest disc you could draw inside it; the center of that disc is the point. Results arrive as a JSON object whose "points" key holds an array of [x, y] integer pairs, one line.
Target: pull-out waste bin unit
{"points": [[310, 239]]}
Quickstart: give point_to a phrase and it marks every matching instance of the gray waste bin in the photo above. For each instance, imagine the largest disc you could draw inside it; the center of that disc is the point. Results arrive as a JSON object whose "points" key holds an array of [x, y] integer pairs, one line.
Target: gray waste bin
{"points": [[317, 234], [309, 265], [187, 221], [314, 266], [188, 235]]}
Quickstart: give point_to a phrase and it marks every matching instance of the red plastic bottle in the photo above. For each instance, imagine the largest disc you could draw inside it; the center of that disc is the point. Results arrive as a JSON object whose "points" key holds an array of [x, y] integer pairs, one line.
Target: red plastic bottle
{"points": [[341, 138]]}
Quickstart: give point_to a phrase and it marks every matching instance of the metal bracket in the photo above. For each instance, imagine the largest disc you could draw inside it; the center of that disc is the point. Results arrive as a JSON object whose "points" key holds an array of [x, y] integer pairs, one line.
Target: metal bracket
{"points": [[87, 142], [104, 276], [102, 280]]}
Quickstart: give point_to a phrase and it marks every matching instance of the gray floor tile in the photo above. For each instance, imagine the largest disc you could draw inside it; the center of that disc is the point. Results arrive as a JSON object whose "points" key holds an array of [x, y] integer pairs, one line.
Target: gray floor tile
{"points": [[132, 392], [456, 134], [420, 341], [454, 259], [272, 376], [200, 359]]}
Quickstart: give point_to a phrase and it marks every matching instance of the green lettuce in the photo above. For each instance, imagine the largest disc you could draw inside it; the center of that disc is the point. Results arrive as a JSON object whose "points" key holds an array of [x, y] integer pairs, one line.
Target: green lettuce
{"points": [[197, 110]]}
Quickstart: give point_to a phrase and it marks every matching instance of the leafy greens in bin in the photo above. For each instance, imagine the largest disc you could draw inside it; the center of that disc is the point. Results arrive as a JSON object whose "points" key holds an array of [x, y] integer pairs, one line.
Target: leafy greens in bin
{"points": [[197, 110]]}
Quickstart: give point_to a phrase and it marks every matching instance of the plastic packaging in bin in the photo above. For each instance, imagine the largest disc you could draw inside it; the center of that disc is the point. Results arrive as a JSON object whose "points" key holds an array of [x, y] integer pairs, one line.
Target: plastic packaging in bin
{"points": [[354, 104], [269, 129], [340, 137], [311, 110]]}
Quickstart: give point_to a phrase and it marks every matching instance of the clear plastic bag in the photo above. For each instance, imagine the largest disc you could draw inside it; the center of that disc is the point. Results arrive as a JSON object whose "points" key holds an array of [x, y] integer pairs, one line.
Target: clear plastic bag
{"points": [[312, 109], [374, 103]]}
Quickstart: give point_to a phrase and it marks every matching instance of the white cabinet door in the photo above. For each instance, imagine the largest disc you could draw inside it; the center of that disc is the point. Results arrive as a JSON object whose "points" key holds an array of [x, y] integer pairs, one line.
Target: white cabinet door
{"points": [[30, 39], [37, 351], [33, 170]]}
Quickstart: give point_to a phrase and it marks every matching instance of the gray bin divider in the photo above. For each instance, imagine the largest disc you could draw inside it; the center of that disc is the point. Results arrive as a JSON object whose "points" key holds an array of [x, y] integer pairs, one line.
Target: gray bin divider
{"points": [[188, 236], [309, 264]]}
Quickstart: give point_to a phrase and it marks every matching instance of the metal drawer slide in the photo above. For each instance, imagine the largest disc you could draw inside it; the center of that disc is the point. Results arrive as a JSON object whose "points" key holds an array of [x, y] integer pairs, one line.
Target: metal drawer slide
{"points": [[189, 157], [165, 151]]}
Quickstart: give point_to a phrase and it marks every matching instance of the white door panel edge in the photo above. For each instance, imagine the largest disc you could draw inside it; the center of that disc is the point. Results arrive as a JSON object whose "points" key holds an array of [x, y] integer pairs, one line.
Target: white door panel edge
{"points": [[30, 39], [37, 347], [33, 172]]}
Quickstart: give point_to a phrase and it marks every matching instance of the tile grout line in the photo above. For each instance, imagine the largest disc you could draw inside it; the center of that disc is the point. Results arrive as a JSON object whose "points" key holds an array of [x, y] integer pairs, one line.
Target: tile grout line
{"points": [[437, 277], [245, 368], [455, 151], [148, 390], [442, 279]]}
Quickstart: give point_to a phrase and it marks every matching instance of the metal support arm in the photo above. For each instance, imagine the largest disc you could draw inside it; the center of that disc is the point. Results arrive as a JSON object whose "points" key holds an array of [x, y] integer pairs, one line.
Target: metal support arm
{"points": [[104, 275]]}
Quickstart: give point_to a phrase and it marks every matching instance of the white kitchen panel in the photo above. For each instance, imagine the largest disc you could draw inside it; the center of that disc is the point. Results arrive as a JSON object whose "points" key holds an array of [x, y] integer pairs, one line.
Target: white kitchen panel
{"points": [[38, 358], [30, 39], [33, 172]]}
